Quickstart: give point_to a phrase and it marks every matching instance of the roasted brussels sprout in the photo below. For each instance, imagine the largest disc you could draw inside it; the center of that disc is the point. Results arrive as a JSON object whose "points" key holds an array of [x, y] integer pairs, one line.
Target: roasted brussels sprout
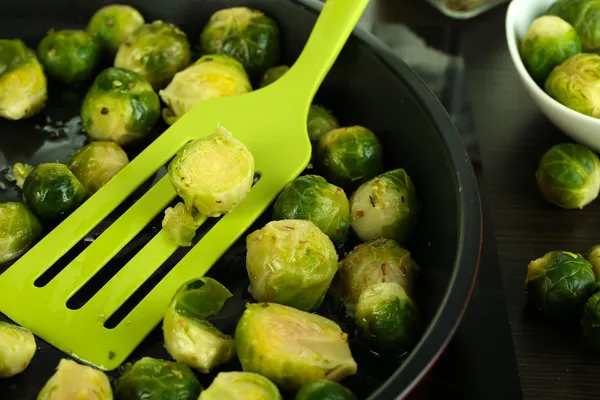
{"points": [[320, 122], [17, 348], [290, 262], [568, 175], [311, 198], [23, 85], [272, 74], [245, 34], [120, 107], [19, 230], [112, 24], [559, 283], [198, 176], [96, 163], [76, 381], [52, 191], [191, 340], [209, 77], [594, 259], [576, 84], [548, 42], [292, 347], [583, 15], [20, 172], [156, 52], [151, 378], [378, 261], [180, 224], [69, 56], [241, 385], [324, 390], [387, 317], [349, 155], [590, 320], [385, 206]]}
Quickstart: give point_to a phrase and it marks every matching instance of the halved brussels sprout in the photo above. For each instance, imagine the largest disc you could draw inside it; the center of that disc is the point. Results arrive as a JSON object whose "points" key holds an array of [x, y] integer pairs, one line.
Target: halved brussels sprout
{"points": [[594, 259], [156, 52], [20, 172], [241, 385], [350, 155], [17, 348], [387, 317], [76, 381], [151, 378], [120, 107], [213, 174], [69, 56], [568, 175], [52, 191], [576, 84], [583, 15], [549, 41], [272, 74], [385, 206], [559, 283], [19, 230], [292, 347], [209, 77], [320, 122], [378, 261], [245, 34], [180, 224], [590, 320], [23, 85], [114, 23], [96, 163], [324, 390], [311, 198], [190, 339], [290, 262]]}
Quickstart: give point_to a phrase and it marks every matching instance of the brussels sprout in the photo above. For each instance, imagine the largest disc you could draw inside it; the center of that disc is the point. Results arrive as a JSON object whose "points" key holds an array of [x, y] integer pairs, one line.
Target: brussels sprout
{"points": [[310, 197], [548, 42], [180, 224], [320, 122], [568, 175], [96, 163], [583, 15], [272, 74], [290, 262], [120, 107], [590, 320], [112, 24], [20, 172], [350, 155], [324, 390], [69, 56], [23, 85], [378, 261], [576, 84], [292, 347], [52, 191], [386, 206], [19, 230], [151, 378], [155, 51], [190, 339], [386, 316], [76, 381], [17, 348], [209, 77], [198, 176], [245, 34], [559, 283], [594, 259], [241, 385]]}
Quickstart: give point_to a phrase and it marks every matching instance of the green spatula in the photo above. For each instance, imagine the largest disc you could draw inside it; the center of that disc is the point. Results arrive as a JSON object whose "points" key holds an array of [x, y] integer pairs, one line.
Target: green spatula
{"points": [[271, 122]]}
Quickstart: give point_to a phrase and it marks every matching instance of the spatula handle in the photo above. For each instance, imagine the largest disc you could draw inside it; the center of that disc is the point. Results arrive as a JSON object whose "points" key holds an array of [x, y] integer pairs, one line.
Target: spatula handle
{"points": [[331, 31]]}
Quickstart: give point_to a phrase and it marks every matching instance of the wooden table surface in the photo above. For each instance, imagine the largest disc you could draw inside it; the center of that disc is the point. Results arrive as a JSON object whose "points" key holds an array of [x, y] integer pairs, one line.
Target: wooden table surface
{"points": [[554, 362]]}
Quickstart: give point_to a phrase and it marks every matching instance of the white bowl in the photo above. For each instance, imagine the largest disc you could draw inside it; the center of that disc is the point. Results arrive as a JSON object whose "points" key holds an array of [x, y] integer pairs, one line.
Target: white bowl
{"points": [[580, 127]]}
